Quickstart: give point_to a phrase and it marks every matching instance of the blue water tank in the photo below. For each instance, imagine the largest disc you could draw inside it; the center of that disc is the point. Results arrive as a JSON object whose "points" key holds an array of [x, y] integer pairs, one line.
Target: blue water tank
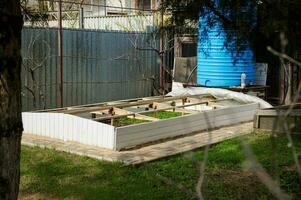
{"points": [[217, 66]]}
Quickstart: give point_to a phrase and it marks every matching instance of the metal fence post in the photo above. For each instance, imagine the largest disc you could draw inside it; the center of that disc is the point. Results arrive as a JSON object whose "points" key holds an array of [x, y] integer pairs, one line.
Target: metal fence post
{"points": [[81, 18], [60, 58]]}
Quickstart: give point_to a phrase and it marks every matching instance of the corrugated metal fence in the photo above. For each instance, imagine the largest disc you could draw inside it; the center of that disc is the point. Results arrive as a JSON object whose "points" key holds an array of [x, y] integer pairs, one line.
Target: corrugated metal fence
{"points": [[98, 66]]}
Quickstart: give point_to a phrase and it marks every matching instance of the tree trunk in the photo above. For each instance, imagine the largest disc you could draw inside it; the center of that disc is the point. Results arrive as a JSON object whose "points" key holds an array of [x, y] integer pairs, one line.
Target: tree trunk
{"points": [[10, 98]]}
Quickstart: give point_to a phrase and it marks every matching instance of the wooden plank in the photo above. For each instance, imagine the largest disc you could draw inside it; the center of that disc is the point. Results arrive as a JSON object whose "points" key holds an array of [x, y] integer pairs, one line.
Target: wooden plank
{"points": [[277, 123], [90, 105], [124, 113], [121, 103], [296, 112], [256, 120], [135, 115], [148, 111], [164, 105], [144, 117]]}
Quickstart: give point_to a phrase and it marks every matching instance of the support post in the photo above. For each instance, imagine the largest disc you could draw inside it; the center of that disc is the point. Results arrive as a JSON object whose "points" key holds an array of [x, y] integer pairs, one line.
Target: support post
{"points": [[162, 71], [81, 18], [105, 2], [60, 58]]}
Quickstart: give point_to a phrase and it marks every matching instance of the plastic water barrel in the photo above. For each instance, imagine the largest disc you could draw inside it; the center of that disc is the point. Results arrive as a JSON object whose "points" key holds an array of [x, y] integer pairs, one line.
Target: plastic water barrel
{"points": [[217, 66]]}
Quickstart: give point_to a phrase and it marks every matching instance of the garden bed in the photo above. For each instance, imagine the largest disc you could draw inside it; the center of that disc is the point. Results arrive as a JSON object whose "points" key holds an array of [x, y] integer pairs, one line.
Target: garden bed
{"points": [[125, 124], [279, 119]]}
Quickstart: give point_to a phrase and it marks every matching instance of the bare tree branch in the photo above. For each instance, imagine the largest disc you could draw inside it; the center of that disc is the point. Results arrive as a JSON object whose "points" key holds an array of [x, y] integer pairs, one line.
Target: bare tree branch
{"points": [[264, 177], [283, 55]]}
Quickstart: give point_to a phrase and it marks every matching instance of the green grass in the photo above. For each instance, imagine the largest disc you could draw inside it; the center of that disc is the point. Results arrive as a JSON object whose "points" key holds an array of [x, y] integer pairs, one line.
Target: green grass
{"points": [[124, 121], [65, 176], [165, 114]]}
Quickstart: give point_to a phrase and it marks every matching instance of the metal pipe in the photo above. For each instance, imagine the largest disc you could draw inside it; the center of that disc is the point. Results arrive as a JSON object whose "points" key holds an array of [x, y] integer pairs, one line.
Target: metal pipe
{"points": [[162, 72], [60, 57], [105, 8], [81, 18]]}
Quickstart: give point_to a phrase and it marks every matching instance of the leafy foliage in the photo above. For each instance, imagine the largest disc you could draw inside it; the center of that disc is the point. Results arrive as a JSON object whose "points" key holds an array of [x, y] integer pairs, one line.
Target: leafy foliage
{"points": [[273, 17]]}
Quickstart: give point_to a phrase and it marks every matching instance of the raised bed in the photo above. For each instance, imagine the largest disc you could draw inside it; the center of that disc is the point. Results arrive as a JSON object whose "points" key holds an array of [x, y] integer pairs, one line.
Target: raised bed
{"points": [[279, 119], [126, 124]]}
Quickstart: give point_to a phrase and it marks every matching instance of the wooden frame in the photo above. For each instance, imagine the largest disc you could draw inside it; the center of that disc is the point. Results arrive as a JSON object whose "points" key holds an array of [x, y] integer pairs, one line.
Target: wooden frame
{"points": [[86, 124], [275, 119]]}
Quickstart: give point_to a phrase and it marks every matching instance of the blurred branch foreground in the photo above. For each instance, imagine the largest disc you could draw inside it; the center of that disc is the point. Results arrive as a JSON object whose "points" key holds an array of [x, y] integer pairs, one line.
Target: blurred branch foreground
{"points": [[126, 50]]}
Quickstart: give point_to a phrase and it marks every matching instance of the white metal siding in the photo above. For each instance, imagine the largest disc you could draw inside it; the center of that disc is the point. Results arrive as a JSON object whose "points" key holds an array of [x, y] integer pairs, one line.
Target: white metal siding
{"points": [[69, 128], [120, 23], [72, 128], [136, 23], [137, 134]]}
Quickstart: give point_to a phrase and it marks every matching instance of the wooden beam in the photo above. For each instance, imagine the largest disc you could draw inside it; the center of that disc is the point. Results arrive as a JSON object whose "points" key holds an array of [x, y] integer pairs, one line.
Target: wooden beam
{"points": [[164, 105], [90, 105], [145, 117], [122, 105], [134, 115], [123, 113], [149, 111], [270, 112]]}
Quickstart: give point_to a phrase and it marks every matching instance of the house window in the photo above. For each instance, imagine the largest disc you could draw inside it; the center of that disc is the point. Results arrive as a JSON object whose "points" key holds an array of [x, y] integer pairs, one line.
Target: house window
{"points": [[185, 46], [95, 9], [144, 4], [189, 49]]}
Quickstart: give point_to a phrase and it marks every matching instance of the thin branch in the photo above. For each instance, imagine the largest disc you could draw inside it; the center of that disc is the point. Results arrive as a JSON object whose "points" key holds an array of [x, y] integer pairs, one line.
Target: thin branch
{"points": [[30, 90], [181, 187], [204, 162], [263, 176], [283, 55], [291, 145], [144, 49]]}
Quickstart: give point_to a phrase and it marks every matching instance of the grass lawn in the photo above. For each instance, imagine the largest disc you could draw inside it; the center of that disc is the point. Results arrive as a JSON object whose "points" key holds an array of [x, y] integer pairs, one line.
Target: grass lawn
{"points": [[50, 174], [124, 121], [165, 114]]}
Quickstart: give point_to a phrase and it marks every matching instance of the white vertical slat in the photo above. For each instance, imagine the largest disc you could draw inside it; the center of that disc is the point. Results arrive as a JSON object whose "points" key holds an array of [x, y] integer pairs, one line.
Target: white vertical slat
{"points": [[72, 128], [61, 129], [120, 23], [66, 133], [69, 128], [33, 127], [142, 133]]}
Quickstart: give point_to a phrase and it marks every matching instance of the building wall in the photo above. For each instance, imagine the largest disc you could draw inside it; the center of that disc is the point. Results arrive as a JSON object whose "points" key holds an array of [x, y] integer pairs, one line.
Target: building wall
{"points": [[108, 7], [146, 4]]}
